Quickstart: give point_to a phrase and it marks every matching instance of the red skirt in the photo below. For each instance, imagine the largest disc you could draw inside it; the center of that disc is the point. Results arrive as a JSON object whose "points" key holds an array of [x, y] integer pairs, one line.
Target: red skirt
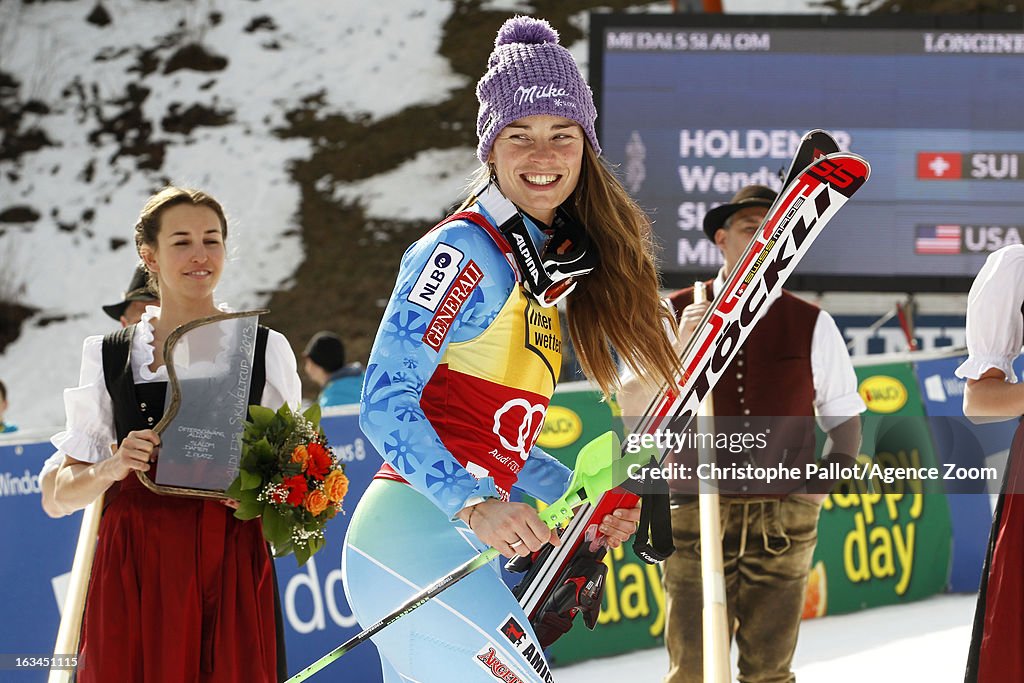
{"points": [[180, 591], [997, 644]]}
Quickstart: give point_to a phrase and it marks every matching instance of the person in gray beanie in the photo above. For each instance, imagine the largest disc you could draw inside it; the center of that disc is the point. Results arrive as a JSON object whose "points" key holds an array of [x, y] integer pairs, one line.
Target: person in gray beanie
{"points": [[468, 354]]}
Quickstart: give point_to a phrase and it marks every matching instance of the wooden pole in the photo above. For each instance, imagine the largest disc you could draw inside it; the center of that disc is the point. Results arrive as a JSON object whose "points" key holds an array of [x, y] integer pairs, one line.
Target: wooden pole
{"points": [[70, 629], [716, 627]]}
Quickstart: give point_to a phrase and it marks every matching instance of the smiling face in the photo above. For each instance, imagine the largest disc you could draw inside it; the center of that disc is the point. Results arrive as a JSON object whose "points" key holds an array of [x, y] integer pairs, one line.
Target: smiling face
{"points": [[537, 160], [189, 255]]}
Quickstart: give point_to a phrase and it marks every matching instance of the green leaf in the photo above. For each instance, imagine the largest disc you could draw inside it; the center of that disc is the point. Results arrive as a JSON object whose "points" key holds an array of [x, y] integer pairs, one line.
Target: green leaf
{"points": [[261, 417], [262, 452], [283, 549], [249, 480], [234, 491], [276, 528], [250, 496], [249, 509], [284, 414], [312, 414], [302, 554]]}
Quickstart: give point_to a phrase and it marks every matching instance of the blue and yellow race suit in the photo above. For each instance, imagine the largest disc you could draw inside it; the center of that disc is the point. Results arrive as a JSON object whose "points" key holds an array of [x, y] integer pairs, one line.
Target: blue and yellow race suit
{"points": [[456, 390]]}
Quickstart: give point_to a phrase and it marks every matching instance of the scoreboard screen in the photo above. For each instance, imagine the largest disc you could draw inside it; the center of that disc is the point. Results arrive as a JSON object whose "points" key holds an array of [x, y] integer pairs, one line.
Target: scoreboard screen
{"points": [[693, 107]]}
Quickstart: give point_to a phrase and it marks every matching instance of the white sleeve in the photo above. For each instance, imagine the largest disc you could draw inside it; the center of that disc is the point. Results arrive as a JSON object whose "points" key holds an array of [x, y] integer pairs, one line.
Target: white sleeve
{"points": [[994, 315], [89, 411], [283, 384], [835, 383], [50, 464]]}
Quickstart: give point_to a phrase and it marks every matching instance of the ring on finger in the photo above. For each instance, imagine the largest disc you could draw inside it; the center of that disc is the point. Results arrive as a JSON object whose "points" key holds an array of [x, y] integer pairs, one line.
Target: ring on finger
{"points": [[517, 542]]}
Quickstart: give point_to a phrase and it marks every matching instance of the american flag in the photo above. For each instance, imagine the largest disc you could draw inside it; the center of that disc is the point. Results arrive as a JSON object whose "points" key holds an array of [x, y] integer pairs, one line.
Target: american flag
{"points": [[937, 239]]}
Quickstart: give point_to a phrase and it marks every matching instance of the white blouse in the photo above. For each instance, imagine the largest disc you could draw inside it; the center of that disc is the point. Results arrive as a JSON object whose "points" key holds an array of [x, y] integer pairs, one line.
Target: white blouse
{"points": [[994, 315], [90, 410]]}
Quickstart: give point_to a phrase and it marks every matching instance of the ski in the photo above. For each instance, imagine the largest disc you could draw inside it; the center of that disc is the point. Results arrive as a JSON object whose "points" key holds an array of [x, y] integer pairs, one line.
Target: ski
{"points": [[814, 195], [813, 145]]}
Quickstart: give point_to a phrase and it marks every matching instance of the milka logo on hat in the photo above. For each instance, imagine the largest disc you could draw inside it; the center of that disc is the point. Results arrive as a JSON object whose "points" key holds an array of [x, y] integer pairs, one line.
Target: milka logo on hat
{"points": [[538, 92]]}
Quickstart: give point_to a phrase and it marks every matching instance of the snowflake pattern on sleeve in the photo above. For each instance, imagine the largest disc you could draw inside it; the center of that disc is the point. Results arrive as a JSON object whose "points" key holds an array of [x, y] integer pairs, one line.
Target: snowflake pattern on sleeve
{"points": [[402, 363]]}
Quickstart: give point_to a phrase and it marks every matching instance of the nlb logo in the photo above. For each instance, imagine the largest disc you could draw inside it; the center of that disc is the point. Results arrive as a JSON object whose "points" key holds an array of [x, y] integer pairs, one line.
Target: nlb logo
{"points": [[883, 394], [562, 428], [436, 277]]}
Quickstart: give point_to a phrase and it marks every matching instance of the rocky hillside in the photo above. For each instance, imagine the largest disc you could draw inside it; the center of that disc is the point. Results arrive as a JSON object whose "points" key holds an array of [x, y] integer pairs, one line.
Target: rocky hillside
{"points": [[334, 133]]}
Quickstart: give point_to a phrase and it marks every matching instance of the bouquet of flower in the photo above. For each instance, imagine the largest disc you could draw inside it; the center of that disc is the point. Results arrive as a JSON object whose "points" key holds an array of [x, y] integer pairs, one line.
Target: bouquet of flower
{"points": [[290, 478]]}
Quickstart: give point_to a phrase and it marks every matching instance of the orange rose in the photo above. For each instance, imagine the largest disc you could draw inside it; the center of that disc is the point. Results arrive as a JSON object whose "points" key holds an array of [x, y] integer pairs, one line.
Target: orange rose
{"points": [[336, 486], [316, 502], [301, 456]]}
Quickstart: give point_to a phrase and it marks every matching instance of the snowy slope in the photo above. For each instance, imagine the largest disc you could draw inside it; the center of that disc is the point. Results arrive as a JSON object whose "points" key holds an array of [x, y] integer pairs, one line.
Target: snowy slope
{"points": [[132, 95], [118, 114]]}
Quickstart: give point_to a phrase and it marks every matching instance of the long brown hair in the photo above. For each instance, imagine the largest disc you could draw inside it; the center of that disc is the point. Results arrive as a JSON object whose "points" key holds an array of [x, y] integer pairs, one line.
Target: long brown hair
{"points": [[617, 306]]}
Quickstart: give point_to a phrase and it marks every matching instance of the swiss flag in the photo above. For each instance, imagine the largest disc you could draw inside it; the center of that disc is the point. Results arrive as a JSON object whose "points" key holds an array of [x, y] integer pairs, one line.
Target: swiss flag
{"points": [[939, 165]]}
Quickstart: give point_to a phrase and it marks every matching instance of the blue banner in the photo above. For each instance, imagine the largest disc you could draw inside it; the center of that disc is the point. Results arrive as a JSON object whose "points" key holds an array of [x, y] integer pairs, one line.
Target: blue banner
{"points": [[932, 332], [38, 552], [37, 555], [316, 612]]}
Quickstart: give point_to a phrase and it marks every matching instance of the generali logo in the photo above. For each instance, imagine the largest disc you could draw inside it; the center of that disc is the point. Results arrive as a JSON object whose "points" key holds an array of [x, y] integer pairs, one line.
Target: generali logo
{"points": [[466, 281], [538, 92]]}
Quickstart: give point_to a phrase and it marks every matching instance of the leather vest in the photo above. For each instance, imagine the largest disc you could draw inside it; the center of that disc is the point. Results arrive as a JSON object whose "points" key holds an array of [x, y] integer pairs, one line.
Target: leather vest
{"points": [[767, 390]]}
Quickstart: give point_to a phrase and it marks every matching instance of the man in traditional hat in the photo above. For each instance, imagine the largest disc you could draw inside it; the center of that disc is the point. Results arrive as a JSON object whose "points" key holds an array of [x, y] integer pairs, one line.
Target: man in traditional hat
{"points": [[128, 311], [794, 368]]}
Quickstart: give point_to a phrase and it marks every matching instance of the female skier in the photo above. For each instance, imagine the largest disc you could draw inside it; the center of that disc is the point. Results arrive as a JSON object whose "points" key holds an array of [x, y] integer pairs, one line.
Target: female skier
{"points": [[468, 355]]}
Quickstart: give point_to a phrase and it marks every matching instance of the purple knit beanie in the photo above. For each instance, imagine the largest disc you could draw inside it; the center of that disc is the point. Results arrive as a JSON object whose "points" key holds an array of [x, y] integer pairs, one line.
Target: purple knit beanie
{"points": [[529, 73]]}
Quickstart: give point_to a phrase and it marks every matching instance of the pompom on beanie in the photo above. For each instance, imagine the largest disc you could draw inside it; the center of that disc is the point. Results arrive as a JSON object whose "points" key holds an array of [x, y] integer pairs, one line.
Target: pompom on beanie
{"points": [[529, 73]]}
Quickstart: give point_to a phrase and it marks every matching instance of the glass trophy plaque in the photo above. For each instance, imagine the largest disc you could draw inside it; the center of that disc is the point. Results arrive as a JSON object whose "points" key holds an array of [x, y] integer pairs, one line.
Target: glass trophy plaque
{"points": [[209, 366]]}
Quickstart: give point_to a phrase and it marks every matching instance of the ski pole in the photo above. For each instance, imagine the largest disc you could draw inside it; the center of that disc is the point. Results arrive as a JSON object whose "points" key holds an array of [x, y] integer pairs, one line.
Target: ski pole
{"points": [[597, 471], [414, 602]]}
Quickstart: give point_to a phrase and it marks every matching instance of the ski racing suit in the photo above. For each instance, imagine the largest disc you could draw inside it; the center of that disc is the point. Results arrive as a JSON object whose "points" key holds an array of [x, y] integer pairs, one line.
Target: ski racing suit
{"points": [[456, 389]]}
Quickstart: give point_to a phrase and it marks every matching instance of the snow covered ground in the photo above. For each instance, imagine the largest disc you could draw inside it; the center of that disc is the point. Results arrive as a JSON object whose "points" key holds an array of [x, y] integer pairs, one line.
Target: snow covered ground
{"points": [[921, 641], [109, 99]]}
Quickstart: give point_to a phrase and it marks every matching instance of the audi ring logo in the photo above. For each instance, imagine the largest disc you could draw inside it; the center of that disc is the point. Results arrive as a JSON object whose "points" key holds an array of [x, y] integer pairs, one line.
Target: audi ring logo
{"points": [[519, 419]]}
